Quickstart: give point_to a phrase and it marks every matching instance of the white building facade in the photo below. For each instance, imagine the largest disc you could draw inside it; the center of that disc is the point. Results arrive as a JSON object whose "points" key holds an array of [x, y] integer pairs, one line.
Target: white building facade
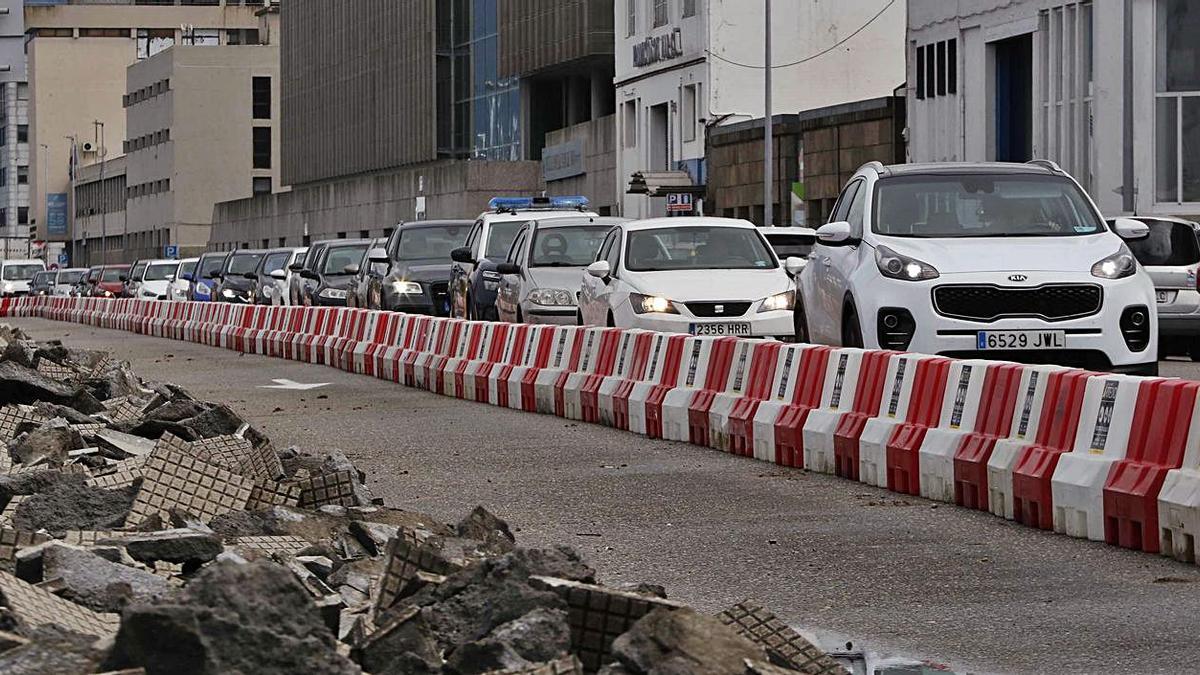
{"points": [[683, 66], [1114, 98]]}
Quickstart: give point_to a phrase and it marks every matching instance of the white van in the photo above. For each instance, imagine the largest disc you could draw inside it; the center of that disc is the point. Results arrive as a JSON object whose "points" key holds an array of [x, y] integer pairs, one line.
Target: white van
{"points": [[15, 276]]}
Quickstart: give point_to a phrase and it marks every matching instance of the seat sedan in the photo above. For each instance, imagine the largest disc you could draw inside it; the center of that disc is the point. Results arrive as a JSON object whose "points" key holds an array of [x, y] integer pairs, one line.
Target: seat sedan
{"points": [[156, 279], [67, 281], [416, 268], [704, 276], [182, 283], [237, 277], [540, 279]]}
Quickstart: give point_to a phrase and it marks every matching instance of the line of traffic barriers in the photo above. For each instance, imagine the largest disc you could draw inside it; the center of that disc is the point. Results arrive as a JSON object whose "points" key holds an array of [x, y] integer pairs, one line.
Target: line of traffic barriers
{"points": [[1106, 457]]}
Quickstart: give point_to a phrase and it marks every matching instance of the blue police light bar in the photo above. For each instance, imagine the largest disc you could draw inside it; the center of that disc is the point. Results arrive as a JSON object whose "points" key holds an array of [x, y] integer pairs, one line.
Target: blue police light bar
{"points": [[529, 203]]}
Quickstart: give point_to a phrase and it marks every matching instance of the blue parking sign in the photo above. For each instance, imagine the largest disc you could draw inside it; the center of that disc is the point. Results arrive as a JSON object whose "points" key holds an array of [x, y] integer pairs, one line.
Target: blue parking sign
{"points": [[170, 251], [63, 258]]}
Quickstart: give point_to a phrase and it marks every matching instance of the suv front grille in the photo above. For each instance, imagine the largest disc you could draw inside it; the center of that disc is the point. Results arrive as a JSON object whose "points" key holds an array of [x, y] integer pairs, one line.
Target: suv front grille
{"points": [[986, 303], [709, 310]]}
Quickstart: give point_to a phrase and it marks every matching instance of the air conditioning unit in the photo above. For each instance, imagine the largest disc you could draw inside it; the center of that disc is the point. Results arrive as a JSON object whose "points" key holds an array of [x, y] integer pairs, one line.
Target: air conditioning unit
{"points": [[87, 146]]}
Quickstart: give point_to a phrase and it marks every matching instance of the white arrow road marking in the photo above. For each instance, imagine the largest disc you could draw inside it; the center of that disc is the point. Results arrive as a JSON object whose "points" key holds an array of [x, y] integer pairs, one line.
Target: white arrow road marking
{"points": [[293, 385]]}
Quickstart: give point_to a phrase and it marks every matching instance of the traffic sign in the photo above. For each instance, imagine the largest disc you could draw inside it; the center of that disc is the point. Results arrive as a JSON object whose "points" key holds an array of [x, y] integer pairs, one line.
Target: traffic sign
{"points": [[678, 202], [63, 258], [170, 251]]}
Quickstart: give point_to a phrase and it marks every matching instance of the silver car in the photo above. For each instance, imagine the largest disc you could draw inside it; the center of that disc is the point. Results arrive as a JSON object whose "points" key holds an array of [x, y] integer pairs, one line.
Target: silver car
{"points": [[540, 278], [1171, 254]]}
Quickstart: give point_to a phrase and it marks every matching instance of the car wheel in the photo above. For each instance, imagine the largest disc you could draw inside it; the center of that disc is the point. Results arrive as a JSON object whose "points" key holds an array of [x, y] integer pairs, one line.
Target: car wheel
{"points": [[612, 323], [800, 322], [1194, 351], [851, 331]]}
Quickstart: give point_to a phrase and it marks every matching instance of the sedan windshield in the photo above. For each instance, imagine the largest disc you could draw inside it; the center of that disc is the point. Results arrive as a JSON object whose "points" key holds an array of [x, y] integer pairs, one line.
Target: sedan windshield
{"points": [[500, 238], [67, 278], [210, 265], [244, 263], [338, 258], [160, 272], [21, 272], [697, 248], [566, 246], [43, 278], [982, 205], [187, 268], [426, 243], [112, 275]]}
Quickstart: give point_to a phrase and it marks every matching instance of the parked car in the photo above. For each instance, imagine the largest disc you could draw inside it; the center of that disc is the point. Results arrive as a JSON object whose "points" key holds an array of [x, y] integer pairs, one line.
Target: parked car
{"points": [[791, 242], [539, 280], [133, 279], [1000, 261], [1171, 255], [335, 267], [373, 266], [15, 276], [300, 285], [274, 274], [698, 275], [42, 283], [67, 280], [204, 282], [237, 278], [416, 276], [86, 287], [182, 283], [156, 278], [473, 277], [110, 281]]}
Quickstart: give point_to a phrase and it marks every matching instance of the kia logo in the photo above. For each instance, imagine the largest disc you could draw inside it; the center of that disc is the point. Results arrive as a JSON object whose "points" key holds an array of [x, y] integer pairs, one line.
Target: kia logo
{"points": [[1018, 277]]}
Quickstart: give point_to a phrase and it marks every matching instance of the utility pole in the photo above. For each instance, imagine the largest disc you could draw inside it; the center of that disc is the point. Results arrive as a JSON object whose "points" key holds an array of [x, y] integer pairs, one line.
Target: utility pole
{"points": [[768, 134], [76, 252], [45, 182], [99, 130]]}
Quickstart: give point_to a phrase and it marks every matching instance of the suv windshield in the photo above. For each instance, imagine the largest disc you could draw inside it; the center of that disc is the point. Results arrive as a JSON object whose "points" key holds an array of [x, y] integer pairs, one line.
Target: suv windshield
{"points": [[160, 272], [339, 257], [982, 205], [423, 243], [1170, 244], [68, 278], [243, 263], [210, 265], [566, 246], [501, 237], [697, 248], [21, 272], [187, 268]]}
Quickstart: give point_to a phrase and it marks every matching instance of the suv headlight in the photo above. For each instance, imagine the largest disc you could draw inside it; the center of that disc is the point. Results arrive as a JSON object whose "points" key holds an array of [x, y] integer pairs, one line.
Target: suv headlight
{"points": [[203, 288], [333, 294], [779, 301], [1116, 266], [898, 266], [407, 288], [651, 304], [551, 297]]}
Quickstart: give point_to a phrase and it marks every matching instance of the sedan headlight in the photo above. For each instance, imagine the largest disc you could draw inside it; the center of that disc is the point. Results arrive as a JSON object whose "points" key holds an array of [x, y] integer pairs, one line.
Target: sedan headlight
{"points": [[1116, 266], [651, 304], [333, 294], [229, 292], [551, 297], [203, 289], [899, 266], [106, 294], [781, 301], [8, 287], [407, 288]]}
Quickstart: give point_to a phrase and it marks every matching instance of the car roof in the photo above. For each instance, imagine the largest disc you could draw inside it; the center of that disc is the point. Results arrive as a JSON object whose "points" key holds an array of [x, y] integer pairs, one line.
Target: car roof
{"points": [[114, 266], [689, 221], [342, 243], [418, 224], [21, 261], [249, 251], [533, 214], [584, 221], [163, 262], [959, 168], [188, 260], [74, 269], [1169, 219], [768, 231]]}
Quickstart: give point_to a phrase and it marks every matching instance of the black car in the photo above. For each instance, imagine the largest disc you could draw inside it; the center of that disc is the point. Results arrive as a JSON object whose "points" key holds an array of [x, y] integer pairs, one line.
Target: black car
{"points": [[42, 283], [417, 279], [300, 287], [327, 283], [237, 277]]}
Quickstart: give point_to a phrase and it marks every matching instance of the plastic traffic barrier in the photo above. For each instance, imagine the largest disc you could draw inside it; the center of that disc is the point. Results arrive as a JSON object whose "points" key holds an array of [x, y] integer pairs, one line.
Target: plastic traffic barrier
{"points": [[1077, 485], [576, 393], [779, 425], [632, 411], [448, 380], [542, 348], [976, 412], [752, 424], [473, 384], [567, 352], [750, 385], [854, 387], [504, 352], [685, 406], [633, 361]]}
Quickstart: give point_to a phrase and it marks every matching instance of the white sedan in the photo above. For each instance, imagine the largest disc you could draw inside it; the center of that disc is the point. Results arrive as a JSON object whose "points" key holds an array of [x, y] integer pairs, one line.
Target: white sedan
{"points": [[704, 276]]}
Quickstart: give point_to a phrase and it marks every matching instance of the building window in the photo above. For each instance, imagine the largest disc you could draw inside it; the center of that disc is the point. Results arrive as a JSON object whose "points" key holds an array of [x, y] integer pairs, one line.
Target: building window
{"points": [[262, 98], [22, 215], [920, 72], [103, 32], [1177, 123], [22, 175], [630, 124], [3, 217], [937, 69], [202, 37], [55, 32], [689, 8], [242, 36], [262, 147], [631, 17], [151, 41], [660, 12], [261, 185], [688, 108], [3, 177], [22, 133]]}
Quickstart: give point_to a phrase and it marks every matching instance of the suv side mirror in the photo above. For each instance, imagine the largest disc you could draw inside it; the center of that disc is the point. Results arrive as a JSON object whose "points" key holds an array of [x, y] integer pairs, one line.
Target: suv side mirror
{"points": [[1131, 229], [508, 268], [186, 276], [462, 255], [794, 266], [600, 269], [123, 278], [351, 269], [296, 267], [279, 274], [378, 256], [837, 233], [215, 275]]}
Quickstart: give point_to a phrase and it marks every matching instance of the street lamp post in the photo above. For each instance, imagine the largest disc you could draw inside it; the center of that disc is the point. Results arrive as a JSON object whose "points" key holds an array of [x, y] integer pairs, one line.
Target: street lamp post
{"points": [[768, 133], [45, 185], [99, 127]]}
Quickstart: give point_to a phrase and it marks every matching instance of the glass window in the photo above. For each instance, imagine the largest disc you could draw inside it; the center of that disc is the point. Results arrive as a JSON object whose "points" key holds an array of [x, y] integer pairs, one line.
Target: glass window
{"points": [[187, 268], [660, 13], [113, 274], [22, 215], [500, 238], [339, 257], [697, 248], [262, 147], [211, 264], [613, 257], [21, 272], [202, 37], [276, 262], [689, 8], [789, 245], [260, 185], [261, 92], [982, 205], [514, 252], [243, 263], [22, 175], [566, 246], [630, 124], [161, 271], [1178, 49], [688, 106], [151, 41], [842, 211], [1170, 244], [429, 243], [69, 278], [606, 247], [22, 133], [631, 17]]}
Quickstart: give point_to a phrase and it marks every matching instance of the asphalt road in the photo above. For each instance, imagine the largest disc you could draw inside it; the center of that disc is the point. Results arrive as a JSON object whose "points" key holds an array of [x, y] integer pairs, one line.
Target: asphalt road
{"points": [[899, 574]]}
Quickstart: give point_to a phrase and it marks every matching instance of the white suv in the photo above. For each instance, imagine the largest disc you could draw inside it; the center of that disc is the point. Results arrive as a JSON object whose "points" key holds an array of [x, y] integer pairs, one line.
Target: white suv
{"points": [[1004, 261]]}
